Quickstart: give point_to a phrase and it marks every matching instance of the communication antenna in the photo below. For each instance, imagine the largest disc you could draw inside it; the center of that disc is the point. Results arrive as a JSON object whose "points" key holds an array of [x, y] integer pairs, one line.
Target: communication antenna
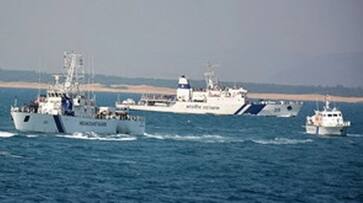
{"points": [[93, 77], [73, 63], [41, 64], [210, 77], [15, 101], [88, 78]]}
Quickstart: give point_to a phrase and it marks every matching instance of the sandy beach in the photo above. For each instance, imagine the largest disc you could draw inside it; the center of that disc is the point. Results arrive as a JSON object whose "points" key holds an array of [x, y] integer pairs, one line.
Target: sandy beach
{"points": [[141, 89]]}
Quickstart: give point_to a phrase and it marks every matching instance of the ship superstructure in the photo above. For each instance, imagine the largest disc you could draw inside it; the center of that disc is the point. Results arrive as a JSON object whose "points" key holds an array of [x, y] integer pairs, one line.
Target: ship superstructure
{"points": [[67, 109]]}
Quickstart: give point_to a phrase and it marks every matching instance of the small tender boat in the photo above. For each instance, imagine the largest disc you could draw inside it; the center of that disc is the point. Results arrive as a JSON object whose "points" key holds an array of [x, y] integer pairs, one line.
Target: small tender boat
{"points": [[329, 121]]}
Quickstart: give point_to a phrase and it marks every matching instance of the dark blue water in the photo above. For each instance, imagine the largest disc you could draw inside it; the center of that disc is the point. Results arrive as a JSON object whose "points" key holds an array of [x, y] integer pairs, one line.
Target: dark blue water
{"points": [[184, 158]]}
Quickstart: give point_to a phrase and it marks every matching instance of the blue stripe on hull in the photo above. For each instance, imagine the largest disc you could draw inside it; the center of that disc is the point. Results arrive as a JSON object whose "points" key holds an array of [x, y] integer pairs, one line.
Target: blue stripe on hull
{"points": [[58, 123], [240, 109], [255, 109]]}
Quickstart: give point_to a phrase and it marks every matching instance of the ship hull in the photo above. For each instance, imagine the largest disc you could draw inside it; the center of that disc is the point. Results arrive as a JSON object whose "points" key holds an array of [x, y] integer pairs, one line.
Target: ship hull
{"points": [[45, 123], [277, 110], [195, 108], [274, 109], [319, 130]]}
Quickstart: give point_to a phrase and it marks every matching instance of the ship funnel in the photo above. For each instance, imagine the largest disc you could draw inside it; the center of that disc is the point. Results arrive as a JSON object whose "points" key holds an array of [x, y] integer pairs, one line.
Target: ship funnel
{"points": [[183, 83], [184, 91]]}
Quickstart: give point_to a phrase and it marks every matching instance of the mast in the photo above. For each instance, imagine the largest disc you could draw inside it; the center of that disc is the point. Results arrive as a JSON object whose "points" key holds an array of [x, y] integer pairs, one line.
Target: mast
{"points": [[327, 102], [39, 82], [210, 77], [73, 63]]}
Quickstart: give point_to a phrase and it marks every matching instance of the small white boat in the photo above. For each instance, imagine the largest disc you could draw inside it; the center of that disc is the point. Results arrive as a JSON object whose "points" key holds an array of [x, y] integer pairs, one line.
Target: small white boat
{"points": [[329, 121]]}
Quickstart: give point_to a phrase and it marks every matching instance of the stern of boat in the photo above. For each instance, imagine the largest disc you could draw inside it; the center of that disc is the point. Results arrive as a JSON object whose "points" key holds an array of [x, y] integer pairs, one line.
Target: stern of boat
{"points": [[134, 125]]}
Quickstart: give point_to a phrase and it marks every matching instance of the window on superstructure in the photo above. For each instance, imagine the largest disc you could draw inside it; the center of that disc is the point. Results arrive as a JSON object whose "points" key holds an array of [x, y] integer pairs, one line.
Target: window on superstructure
{"points": [[329, 115], [335, 115]]}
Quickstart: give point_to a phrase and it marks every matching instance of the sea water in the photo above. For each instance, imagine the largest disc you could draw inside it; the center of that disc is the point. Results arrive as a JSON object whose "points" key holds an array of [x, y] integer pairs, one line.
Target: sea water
{"points": [[183, 158]]}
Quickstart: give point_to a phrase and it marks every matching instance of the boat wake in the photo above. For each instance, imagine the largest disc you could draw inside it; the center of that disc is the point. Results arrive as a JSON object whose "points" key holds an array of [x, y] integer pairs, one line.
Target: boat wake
{"points": [[8, 154], [31, 135], [222, 139], [95, 136], [197, 138], [354, 135], [6, 134], [281, 141]]}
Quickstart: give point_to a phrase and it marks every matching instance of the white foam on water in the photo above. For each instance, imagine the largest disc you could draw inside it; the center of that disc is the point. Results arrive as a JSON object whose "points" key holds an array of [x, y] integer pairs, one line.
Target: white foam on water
{"points": [[31, 136], [155, 136], [281, 141], [8, 154], [6, 134], [207, 138], [354, 135], [95, 136]]}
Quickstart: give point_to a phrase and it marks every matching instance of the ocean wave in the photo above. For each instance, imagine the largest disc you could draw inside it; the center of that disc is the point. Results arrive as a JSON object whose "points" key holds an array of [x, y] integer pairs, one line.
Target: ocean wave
{"points": [[281, 141], [6, 134], [354, 135], [207, 138], [31, 135], [8, 154], [95, 136], [222, 139]]}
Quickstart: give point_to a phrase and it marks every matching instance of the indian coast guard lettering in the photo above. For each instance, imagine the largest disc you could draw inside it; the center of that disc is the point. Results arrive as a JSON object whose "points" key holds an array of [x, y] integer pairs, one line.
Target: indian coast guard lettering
{"points": [[93, 123], [197, 106]]}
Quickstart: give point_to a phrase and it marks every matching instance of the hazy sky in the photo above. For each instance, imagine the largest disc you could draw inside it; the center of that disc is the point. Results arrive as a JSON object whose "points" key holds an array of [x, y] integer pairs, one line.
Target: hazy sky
{"points": [[279, 41]]}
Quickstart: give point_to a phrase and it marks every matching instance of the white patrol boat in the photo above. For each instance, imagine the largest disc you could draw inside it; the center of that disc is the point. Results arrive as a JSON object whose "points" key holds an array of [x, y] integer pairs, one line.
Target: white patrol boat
{"points": [[215, 99], [67, 109], [329, 121]]}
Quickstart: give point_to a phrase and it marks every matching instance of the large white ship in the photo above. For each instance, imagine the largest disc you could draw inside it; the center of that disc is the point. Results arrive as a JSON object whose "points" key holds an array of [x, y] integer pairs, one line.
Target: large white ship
{"points": [[67, 109], [215, 99]]}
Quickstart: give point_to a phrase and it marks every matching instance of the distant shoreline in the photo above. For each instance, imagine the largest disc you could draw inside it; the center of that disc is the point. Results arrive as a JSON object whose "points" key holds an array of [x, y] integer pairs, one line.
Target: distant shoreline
{"points": [[141, 89]]}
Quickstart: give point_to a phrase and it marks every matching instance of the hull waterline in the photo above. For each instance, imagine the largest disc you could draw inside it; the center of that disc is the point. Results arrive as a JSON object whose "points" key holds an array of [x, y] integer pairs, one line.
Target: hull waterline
{"points": [[45, 123]]}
